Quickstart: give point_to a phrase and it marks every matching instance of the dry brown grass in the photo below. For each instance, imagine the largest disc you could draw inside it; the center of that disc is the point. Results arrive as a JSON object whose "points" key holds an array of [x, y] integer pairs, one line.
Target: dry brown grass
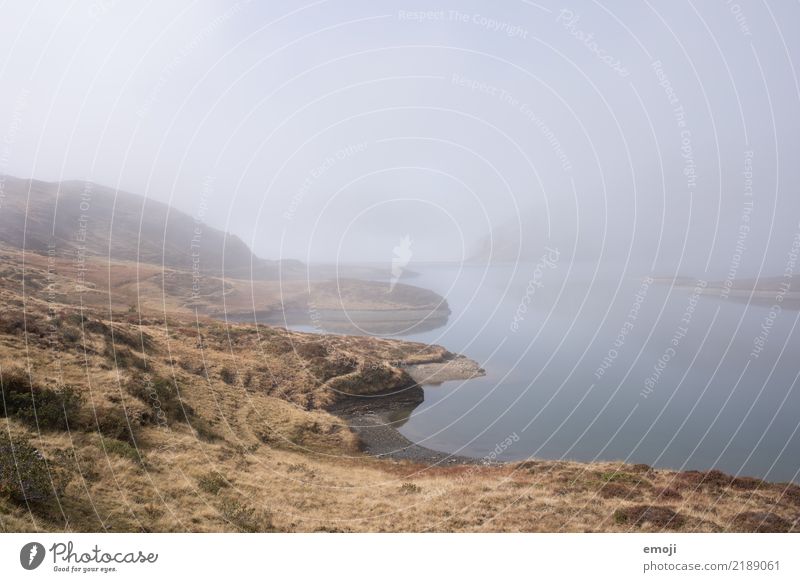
{"points": [[244, 443], [153, 289]]}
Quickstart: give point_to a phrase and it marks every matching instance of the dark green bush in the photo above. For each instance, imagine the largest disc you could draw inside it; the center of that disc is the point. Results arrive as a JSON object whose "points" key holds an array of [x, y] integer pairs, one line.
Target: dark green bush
{"points": [[38, 407], [23, 471], [162, 396], [123, 449]]}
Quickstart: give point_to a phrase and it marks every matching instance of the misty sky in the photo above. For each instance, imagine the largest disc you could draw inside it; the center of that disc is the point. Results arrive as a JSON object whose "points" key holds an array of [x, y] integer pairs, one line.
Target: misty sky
{"points": [[332, 130]]}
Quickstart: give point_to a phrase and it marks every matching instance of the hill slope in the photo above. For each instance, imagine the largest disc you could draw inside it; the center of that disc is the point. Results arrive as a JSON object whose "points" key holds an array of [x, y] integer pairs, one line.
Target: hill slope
{"points": [[75, 219]]}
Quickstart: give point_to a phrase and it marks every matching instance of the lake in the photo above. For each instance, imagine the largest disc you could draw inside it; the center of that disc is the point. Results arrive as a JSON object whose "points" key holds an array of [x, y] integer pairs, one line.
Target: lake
{"points": [[592, 364]]}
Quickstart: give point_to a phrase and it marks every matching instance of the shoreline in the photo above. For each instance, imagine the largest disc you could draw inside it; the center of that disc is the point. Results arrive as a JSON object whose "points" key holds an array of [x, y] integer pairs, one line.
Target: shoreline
{"points": [[395, 321], [374, 423], [375, 418]]}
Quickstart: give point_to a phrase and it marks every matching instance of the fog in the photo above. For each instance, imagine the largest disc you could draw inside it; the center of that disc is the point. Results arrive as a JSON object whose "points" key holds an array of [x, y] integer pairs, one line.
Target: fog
{"points": [[330, 131]]}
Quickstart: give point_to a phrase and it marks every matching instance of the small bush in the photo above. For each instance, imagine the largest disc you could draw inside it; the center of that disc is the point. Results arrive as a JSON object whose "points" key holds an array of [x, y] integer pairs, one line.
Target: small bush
{"points": [[228, 376], [312, 350], [162, 396], [114, 423], [70, 335], [212, 482], [12, 321], [123, 449], [613, 490], [203, 429], [23, 472], [245, 517], [410, 488], [38, 407]]}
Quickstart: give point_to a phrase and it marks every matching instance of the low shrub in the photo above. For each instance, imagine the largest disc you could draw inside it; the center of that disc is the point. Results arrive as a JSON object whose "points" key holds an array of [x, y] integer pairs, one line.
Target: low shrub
{"points": [[162, 396], [122, 449], [19, 322], [659, 516], [113, 422], [228, 376], [12, 321], [167, 407], [70, 335], [245, 517], [409, 488], [613, 490], [23, 471], [212, 482], [38, 407], [203, 430]]}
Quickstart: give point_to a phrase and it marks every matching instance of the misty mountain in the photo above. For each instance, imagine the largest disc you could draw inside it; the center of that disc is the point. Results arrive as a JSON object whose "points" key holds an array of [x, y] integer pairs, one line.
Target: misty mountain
{"points": [[81, 219]]}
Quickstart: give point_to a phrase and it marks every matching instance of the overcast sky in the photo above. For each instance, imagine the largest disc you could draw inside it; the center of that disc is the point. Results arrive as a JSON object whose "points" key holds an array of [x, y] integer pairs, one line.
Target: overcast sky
{"points": [[333, 129]]}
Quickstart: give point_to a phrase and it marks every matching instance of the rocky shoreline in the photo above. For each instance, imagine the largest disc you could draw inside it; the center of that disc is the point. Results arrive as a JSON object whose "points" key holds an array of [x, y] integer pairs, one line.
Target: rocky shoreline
{"points": [[375, 418], [452, 367]]}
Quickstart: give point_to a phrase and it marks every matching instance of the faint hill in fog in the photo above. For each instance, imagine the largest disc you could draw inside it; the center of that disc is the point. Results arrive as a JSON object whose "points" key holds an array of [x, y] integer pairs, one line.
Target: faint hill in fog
{"points": [[84, 218]]}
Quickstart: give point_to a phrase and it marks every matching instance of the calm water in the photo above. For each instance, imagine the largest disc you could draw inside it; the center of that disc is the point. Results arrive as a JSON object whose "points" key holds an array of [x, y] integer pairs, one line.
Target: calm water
{"points": [[612, 367]]}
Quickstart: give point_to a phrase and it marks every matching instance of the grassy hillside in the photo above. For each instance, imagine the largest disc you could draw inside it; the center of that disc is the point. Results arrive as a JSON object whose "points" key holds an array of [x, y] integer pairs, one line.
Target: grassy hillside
{"points": [[77, 219], [157, 420]]}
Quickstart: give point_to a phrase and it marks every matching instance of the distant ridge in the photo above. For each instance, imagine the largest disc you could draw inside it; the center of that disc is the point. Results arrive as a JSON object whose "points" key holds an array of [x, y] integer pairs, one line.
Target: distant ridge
{"points": [[75, 219]]}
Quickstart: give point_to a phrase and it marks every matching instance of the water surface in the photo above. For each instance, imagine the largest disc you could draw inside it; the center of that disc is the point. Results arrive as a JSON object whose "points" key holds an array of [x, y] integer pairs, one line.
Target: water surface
{"points": [[585, 364]]}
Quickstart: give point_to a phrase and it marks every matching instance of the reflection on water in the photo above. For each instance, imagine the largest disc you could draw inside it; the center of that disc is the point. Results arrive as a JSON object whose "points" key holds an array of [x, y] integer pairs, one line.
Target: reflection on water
{"points": [[612, 367], [397, 417]]}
